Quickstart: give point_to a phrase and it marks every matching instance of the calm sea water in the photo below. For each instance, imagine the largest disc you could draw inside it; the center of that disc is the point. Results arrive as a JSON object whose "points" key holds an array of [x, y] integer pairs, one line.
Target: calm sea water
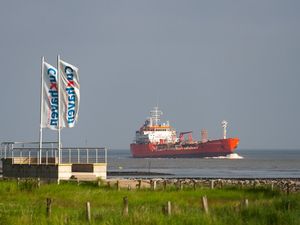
{"points": [[243, 164]]}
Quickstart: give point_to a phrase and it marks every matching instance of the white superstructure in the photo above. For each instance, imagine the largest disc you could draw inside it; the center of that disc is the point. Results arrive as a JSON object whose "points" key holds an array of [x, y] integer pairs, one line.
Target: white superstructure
{"points": [[155, 132]]}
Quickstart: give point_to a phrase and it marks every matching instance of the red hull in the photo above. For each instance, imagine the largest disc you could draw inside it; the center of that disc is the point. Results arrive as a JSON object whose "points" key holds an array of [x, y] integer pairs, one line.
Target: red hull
{"points": [[220, 147]]}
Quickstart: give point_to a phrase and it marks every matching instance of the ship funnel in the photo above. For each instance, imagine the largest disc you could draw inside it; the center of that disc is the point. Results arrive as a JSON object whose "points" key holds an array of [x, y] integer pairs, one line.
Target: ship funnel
{"points": [[204, 136], [224, 125]]}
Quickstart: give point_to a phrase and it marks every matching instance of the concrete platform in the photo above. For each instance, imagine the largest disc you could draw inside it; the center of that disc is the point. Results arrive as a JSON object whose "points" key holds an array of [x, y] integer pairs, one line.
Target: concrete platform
{"points": [[23, 168]]}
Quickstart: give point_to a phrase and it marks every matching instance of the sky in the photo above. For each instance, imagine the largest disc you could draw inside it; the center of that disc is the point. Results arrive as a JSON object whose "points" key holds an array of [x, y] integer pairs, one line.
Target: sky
{"points": [[199, 61]]}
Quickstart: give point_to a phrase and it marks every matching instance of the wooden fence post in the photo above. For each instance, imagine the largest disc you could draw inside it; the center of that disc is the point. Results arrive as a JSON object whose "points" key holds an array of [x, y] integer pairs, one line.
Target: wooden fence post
{"points": [[165, 184], [153, 185], [245, 203], [48, 207], [118, 185], [179, 185], [169, 208], [38, 182], [88, 211], [125, 206], [205, 204], [212, 184], [272, 186], [194, 184], [140, 184]]}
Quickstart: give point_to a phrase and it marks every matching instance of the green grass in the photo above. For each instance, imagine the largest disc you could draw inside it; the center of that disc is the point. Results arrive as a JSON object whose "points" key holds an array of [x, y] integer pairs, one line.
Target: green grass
{"points": [[26, 204]]}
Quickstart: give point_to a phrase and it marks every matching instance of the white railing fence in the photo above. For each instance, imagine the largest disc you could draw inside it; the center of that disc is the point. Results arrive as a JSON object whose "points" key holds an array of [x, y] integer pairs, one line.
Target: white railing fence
{"points": [[21, 153]]}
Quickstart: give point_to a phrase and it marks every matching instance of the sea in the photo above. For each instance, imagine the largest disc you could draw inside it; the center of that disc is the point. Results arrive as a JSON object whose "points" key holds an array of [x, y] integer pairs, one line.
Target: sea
{"points": [[242, 164]]}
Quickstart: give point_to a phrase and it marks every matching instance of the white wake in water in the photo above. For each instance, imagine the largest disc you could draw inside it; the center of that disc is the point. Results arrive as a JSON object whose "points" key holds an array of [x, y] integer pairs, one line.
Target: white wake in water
{"points": [[230, 156]]}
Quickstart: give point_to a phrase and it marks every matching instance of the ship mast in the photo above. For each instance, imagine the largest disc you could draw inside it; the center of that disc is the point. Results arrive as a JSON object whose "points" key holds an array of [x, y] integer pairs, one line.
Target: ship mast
{"points": [[155, 116], [224, 125]]}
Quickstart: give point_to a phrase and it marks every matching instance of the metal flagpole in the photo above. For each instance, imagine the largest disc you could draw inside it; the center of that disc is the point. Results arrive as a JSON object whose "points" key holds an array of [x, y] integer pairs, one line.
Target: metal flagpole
{"points": [[41, 111], [59, 109]]}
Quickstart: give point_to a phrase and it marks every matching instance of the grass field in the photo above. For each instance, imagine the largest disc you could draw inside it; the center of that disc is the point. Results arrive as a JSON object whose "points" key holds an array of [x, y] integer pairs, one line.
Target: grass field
{"points": [[25, 203]]}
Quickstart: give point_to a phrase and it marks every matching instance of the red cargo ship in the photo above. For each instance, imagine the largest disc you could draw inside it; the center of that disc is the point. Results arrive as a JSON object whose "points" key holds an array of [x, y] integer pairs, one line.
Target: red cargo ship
{"points": [[156, 139]]}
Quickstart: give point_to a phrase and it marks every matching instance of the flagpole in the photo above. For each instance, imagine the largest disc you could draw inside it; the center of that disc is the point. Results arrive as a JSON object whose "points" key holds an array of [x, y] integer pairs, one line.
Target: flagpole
{"points": [[59, 108], [41, 111]]}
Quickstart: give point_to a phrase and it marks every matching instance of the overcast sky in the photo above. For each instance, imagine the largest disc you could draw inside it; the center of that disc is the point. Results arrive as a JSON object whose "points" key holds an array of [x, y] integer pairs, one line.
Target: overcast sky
{"points": [[200, 61]]}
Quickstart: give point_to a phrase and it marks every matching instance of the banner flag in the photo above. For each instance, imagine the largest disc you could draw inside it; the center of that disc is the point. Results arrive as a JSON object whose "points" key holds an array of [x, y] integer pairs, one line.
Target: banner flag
{"points": [[50, 97], [70, 95]]}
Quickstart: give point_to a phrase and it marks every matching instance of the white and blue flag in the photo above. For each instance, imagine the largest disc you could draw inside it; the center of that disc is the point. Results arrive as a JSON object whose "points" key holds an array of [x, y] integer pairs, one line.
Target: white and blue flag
{"points": [[70, 96], [50, 97]]}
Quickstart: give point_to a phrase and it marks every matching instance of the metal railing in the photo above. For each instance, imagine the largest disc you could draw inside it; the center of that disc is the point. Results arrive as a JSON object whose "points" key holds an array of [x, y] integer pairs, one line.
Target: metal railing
{"points": [[31, 155]]}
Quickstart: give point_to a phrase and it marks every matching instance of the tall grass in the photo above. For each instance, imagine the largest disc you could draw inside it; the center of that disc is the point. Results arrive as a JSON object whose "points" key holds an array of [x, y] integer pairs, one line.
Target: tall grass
{"points": [[26, 204]]}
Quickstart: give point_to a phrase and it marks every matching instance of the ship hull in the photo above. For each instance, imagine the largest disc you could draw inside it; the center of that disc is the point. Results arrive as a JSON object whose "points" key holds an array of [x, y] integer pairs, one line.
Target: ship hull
{"points": [[221, 147]]}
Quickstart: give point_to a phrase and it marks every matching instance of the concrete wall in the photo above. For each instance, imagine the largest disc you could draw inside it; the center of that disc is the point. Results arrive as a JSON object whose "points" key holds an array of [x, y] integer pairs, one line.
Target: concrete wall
{"points": [[28, 170], [64, 171], [100, 170], [52, 171]]}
